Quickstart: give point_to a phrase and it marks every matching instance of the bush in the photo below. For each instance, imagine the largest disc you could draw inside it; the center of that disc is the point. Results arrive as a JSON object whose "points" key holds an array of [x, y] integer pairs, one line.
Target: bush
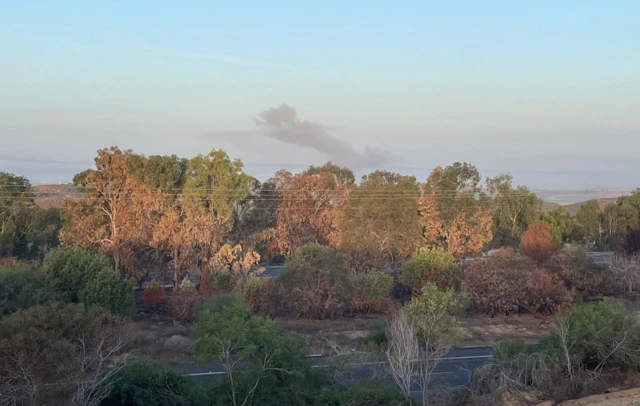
{"points": [[545, 293], [537, 242], [372, 291], [153, 294], [107, 290], [317, 282], [597, 333], [434, 265], [22, 287], [578, 271], [376, 341], [54, 345], [71, 268], [249, 287], [144, 383], [495, 285], [274, 362], [218, 302], [504, 284], [364, 393], [437, 305], [182, 302]]}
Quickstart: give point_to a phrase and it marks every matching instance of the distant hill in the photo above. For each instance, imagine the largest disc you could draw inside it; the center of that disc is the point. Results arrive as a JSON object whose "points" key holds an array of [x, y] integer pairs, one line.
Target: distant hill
{"points": [[574, 207], [54, 195]]}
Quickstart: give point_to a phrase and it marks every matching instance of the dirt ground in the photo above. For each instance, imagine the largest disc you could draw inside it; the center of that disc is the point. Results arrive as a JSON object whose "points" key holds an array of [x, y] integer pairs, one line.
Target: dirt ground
{"points": [[169, 342], [476, 331], [165, 341]]}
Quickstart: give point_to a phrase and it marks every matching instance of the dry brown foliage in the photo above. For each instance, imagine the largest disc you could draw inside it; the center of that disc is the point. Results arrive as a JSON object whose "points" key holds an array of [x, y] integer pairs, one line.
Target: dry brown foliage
{"points": [[182, 302], [545, 293], [310, 210], [365, 304], [507, 284], [153, 294], [228, 265], [115, 214], [537, 243], [191, 239]]}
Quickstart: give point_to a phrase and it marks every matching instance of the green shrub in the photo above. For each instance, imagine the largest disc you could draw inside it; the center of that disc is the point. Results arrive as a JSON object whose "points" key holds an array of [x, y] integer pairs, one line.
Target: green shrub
{"points": [[434, 300], [144, 383], [21, 287], [250, 286], [107, 290], [71, 268], [218, 302], [234, 334], [373, 284], [509, 349], [435, 265], [317, 282], [376, 341], [602, 333], [364, 393]]}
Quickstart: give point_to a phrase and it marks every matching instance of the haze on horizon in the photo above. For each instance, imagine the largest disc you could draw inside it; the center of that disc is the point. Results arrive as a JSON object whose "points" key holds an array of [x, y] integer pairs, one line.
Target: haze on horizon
{"points": [[549, 91]]}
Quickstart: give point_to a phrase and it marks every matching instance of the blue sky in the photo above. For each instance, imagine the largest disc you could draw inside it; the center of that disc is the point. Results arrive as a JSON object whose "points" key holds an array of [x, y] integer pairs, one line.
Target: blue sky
{"points": [[547, 90]]}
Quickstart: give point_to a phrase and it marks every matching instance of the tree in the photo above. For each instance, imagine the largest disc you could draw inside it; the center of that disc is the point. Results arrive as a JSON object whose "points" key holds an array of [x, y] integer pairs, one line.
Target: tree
{"points": [[624, 272], [27, 232], [214, 185], [317, 282], [563, 228], [115, 214], [108, 291], [16, 195], [163, 174], [340, 174], [189, 239], [22, 287], [263, 365], [618, 218], [590, 217], [59, 355], [513, 210], [632, 240], [40, 229], [434, 265], [419, 338], [537, 243], [310, 210], [454, 213], [144, 383], [72, 268], [381, 219]]}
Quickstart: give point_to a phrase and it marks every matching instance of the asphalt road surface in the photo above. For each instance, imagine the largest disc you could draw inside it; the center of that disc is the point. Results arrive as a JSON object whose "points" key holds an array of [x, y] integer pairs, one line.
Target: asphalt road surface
{"points": [[454, 369], [601, 258]]}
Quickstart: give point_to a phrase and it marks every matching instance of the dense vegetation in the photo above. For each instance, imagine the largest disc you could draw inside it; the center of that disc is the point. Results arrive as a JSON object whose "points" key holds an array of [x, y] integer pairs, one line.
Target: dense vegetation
{"points": [[67, 277]]}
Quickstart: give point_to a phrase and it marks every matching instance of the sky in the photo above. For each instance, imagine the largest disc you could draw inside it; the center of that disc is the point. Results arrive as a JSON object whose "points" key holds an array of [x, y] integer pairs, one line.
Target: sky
{"points": [[547, 90]]}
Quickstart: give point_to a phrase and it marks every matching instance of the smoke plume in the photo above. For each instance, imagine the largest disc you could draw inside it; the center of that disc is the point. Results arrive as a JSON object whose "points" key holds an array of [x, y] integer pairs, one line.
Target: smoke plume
{"points": [[283, 124]]}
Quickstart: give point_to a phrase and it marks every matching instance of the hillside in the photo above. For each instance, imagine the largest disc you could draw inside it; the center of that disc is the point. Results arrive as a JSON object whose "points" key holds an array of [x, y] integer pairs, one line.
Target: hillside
{"points": [[55, 195], [574, 207]]}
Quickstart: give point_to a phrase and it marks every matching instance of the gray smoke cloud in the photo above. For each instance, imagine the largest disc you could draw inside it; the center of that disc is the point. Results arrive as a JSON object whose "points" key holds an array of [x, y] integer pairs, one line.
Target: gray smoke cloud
{"points": [[283, 124]]}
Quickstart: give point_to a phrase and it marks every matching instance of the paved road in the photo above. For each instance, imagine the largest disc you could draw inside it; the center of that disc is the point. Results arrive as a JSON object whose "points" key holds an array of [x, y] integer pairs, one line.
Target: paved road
{"points": [[272, 271], [601, 258], [453, 369]]}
